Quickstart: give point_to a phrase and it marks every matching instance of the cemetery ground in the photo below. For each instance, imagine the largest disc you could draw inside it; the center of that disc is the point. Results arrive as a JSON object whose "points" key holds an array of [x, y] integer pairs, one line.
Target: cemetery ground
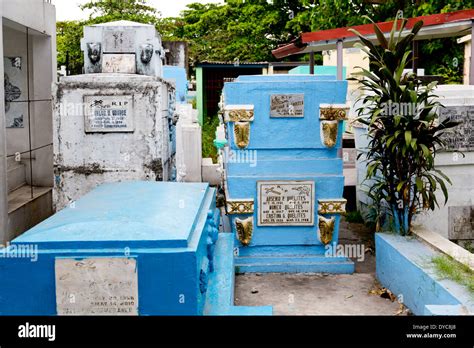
{"points": [[322, 294]]}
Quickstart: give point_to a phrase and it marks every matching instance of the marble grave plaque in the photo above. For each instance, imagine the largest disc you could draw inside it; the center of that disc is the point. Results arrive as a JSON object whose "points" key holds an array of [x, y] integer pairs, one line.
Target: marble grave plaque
{"points": [[118, 41], [119, 63], [285, 203], [287, 105], [461, 222], [108, 113], [461, 137], [96, 286]]}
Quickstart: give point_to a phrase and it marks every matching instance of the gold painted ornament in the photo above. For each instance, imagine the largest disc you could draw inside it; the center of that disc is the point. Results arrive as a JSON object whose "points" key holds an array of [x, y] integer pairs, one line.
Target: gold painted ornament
{"points": [[326, 229], [241, 134], [244, 230], [329, 133]]}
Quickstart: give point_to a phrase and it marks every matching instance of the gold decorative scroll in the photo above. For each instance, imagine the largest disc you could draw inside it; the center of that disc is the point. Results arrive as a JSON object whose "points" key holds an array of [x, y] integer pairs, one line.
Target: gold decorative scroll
{"points": [[329, 133], [239, 113], [243, 206], [244, 230], [333, 112], [241, 134], [332, 206], [326, 229]]}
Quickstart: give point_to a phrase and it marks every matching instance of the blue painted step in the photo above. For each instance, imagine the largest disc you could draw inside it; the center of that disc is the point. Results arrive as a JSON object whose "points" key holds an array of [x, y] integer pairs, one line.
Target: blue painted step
{"points": [[276, 259], [220, 291], [346, 267], [290, 259]]}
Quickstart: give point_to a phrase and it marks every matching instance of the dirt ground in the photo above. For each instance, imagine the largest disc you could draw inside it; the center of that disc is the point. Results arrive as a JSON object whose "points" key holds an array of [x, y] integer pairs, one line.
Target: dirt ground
{"points": [[321, 294]]}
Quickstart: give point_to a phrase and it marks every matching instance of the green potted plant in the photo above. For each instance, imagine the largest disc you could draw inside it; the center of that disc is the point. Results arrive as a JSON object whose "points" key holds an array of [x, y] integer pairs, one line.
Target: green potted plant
{"points": [[404, 131]]}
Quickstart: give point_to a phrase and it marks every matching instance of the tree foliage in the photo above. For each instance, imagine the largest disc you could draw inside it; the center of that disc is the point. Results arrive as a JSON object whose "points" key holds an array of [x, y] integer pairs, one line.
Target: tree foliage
{"points": [[249, 29], [244, 30], [68, 38], [438, 57], [403, 127], [112, 10]]}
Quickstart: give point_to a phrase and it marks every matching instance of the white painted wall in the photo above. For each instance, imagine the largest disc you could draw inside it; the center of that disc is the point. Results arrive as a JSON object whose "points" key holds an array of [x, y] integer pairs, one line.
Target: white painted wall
{"points": [[188, 145], [459, 169], [467, 60], [40, 17]]}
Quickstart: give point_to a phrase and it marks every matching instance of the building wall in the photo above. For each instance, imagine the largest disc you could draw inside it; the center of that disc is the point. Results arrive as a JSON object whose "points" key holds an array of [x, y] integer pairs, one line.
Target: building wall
{"points": [[3, 149], [467, 61], [40, 19], [200, 94], [351, 58]]}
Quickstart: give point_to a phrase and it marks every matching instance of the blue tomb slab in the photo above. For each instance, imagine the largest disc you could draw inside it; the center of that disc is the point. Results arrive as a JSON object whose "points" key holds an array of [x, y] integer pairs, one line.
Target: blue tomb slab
{"points": [[284, 173], [143, 248]]}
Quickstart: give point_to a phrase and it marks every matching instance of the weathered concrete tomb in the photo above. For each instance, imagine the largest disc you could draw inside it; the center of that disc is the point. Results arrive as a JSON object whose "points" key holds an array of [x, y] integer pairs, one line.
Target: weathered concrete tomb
{"points": [[115, 122]]}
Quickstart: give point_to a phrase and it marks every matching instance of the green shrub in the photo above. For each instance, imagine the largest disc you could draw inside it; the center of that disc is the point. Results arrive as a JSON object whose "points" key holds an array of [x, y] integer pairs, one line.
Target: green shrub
{"points": [[403, 129], [354, 217], [208, 135]]}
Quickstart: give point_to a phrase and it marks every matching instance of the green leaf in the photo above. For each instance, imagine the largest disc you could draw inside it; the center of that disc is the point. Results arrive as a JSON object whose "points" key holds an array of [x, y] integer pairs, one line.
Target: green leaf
{"points": [[443, 188], [443, 175], [380, 37], [407, 137], [419, 184], [426, 151], [400, 185]]}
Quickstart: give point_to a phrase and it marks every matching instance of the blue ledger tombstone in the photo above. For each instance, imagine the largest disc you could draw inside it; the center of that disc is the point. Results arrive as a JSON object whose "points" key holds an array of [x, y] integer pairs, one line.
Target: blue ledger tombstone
{"points": [[133, 248], [283, 172]]}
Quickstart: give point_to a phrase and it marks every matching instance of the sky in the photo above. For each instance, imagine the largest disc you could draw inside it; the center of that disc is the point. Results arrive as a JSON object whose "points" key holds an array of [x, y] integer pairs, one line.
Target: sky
{"points": [[69, 9]]}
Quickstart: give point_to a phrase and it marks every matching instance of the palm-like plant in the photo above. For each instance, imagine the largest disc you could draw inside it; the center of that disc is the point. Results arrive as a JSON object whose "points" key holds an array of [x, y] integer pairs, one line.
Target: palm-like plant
{"points": [[403, 128]]}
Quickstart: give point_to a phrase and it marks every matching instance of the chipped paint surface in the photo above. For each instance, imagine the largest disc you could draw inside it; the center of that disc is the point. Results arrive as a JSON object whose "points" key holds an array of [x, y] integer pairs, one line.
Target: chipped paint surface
{"points": [[83, 160]]}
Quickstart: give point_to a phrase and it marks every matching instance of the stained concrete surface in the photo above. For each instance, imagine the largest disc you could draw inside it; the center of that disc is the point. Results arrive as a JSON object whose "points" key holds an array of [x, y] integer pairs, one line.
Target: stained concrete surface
{"points": [[320, 294]]}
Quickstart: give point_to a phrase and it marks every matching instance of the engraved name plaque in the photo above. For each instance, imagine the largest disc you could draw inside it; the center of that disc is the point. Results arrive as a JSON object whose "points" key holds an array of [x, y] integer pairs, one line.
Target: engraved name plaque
{"points": [[96, 286], [118, 41], [461, 137], [108, 113], [287, 105], [285, 203], [119, 63]]}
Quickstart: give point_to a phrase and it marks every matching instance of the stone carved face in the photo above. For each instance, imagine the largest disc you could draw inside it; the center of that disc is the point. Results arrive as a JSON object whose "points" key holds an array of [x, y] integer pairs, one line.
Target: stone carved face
{"points": [[146, 52], [93, 51]]}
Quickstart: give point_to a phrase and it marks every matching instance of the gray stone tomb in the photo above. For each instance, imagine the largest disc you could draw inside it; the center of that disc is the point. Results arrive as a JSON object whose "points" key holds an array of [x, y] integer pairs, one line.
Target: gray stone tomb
{"points": [[113, 123]]}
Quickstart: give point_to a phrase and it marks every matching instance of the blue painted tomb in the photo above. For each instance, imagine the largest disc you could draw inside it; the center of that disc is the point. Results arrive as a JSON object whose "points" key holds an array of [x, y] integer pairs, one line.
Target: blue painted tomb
{"points": [[283, 172], [133, 248]]}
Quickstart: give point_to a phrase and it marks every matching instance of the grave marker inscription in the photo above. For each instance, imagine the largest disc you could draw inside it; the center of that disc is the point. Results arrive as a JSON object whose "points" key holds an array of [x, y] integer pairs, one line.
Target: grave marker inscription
{"points": [[287, 105], [96, 286], [285, 203], [460, 138], [108, 113]]}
